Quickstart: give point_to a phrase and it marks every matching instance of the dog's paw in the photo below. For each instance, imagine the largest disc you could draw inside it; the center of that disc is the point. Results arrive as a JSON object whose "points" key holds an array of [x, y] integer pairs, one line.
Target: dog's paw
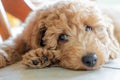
{"points": [[3, 58], [38, 58]]}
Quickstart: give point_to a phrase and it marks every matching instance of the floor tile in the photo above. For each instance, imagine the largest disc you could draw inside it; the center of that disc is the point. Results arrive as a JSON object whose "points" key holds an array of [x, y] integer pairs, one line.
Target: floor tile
{"points": [[18, 72]]}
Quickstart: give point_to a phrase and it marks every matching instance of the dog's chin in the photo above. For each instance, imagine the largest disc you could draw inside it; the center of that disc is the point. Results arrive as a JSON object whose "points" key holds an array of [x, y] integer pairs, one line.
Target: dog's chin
{"points": [[88, 68], [84, 68], [94, 68]]}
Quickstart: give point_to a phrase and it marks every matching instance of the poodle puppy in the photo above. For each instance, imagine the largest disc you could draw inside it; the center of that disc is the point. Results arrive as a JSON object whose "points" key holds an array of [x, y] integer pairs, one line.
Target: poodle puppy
{"points": [[72, 34]]}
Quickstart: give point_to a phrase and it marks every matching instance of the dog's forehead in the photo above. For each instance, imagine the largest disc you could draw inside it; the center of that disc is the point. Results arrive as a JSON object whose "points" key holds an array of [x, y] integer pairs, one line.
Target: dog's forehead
{"points": [[64, 15], [82, 6], [72, 11]]}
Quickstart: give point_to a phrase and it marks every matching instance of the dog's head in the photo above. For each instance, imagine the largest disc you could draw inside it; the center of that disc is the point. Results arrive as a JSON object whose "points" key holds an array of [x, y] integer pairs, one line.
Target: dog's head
{"points": [[78, 30]]}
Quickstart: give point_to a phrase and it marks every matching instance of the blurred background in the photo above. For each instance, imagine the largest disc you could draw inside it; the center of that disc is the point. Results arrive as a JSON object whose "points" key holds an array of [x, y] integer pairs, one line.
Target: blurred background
{"points": [[14, 22], [14, 12], [109, 2]]}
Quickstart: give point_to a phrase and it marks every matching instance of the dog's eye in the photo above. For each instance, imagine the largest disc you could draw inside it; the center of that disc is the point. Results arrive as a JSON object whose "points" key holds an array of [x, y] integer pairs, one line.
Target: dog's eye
{"points": [[44, 58], [88, 28], [63, 37]]}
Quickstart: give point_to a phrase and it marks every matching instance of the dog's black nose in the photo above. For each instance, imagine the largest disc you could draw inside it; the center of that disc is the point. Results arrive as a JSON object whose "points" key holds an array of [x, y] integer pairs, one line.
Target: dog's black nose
{"points": [[89, 60]]}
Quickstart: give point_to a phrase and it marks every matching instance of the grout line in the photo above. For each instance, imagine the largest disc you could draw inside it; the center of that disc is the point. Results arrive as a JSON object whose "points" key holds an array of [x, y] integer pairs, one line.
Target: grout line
{"points": [[111, 67]]}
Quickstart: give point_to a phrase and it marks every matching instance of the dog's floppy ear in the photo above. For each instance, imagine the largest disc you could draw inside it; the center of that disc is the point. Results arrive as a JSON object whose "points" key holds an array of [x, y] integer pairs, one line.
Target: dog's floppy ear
{"points": [[35, 30], [114, 46], [42, 34]]}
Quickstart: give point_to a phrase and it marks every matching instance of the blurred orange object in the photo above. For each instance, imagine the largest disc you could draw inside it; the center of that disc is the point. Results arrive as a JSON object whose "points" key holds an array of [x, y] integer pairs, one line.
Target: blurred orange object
{"points": [[17, 8], [5, 33]]}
